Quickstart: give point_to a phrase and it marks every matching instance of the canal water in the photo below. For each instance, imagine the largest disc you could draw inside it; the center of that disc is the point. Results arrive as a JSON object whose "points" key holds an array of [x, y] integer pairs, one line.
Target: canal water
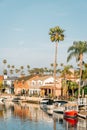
{"points": [[30, 117]]}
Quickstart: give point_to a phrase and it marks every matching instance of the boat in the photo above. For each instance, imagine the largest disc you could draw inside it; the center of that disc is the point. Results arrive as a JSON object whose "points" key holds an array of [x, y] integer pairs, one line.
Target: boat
{"points": [[59, 106], [71, 121], [52, 106], [1, 101], [71, 110], [46, 104], [16, 99], [56, 107]]}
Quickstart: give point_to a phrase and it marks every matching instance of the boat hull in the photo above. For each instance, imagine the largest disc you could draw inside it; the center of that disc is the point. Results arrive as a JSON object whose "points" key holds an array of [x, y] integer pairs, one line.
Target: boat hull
{"points": [[72, 121], [71, 114]]}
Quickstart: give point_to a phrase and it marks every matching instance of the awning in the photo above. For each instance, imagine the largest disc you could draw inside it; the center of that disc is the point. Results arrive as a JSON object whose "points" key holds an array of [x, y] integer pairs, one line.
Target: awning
{"points": [[47, 87]]}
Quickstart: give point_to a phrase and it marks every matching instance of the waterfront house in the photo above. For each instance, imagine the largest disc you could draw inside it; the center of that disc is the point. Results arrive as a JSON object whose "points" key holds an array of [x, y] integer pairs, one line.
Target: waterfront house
{"points": [[44, 86], [8, 83], [21, 85], [37, 86], [1, 82], [48, 88]]}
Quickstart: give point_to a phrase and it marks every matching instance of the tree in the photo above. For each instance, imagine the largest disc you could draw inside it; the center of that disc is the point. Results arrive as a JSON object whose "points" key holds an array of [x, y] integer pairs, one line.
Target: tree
{"points": [[17, 71], [56, 35], [13, 68], [77, 50], [64, 73], [28, 67], [11, 71], [46, 70], [4, 62], [22, 70], [8, 66], [72, 86], [84, 78]]}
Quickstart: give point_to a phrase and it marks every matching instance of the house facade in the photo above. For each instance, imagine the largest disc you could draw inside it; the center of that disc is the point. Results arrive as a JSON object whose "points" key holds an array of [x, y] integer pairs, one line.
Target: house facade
{"points": [[41, 86], [1, 82], [9, 84], [38, 86], [20, 87]]}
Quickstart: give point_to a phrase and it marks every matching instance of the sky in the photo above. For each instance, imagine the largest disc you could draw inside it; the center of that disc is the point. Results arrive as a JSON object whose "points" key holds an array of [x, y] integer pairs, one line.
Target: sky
{"points": [[24, 30]]}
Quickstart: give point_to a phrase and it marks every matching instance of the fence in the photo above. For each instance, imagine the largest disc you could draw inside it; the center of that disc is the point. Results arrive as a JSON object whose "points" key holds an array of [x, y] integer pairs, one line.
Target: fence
{"points": [[82, 101]]}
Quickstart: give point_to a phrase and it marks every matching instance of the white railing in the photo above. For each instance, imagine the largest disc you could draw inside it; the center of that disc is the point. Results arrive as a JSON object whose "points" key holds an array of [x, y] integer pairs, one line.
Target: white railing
{"points": [[82, 101]]}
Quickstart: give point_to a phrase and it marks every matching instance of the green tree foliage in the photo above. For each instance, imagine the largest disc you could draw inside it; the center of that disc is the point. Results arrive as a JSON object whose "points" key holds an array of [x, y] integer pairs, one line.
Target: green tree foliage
{"points": [[77, 50]]}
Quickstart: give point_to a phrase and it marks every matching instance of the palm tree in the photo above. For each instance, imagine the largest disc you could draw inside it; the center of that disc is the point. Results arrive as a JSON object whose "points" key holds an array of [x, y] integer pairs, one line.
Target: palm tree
{"points": [[46, 70], [77, 50], [84, 78], [8, 66], [28, 67], [13, 68], [56, 35], [64, 73], [51, 67], [4, 62], [11, 71], [72, 86], [17, 71], [22, 70]]}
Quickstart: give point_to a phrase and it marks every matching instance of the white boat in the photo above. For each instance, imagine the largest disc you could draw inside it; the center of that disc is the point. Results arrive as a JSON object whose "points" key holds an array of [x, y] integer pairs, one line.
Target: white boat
{"points": [[59, 106], [51, 106], [59, 109], [46, 104], [1, 101]]}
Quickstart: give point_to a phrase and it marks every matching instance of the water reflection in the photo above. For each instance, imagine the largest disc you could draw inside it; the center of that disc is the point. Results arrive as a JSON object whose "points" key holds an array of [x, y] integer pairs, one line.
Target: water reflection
{"points": [[26, 111], [30, 117], [24, 117], [69, 123]]}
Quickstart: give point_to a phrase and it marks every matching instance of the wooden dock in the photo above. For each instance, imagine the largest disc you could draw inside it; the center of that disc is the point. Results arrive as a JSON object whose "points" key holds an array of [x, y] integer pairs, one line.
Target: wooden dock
{"points": [[83, 114]]}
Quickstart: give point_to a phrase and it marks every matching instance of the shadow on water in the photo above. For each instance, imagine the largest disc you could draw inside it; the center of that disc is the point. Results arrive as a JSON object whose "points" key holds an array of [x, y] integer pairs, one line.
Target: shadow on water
{"points": [[27, 116]]}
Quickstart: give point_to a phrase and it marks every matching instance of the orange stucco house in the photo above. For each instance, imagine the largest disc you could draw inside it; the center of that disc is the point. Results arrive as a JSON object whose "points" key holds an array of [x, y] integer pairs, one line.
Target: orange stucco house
{"points": [[41, 85], [38, 85]]}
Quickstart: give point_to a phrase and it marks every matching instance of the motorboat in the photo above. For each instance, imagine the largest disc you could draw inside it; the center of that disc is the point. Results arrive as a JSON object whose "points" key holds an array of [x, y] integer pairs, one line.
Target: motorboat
{"points": [[46, 104], [70, 110], [52, 106], [1, 101], [59, 106], [16, 99], [71, 121]]}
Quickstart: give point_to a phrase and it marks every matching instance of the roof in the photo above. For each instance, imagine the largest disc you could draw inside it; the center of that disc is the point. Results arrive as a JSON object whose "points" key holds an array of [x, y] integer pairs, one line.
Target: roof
{"points": [[12, 78], [25, 78], [41, 77]]}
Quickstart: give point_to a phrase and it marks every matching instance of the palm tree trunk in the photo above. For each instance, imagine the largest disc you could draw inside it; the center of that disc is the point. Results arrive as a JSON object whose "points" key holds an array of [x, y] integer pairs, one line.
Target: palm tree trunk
{"points": [[83, 92], [55, 64], [73, 92], [81, 59]]}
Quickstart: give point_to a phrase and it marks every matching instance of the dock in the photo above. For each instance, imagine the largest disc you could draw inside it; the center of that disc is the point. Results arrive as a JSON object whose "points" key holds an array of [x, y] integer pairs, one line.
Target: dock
{"points": [[83, 114]]}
